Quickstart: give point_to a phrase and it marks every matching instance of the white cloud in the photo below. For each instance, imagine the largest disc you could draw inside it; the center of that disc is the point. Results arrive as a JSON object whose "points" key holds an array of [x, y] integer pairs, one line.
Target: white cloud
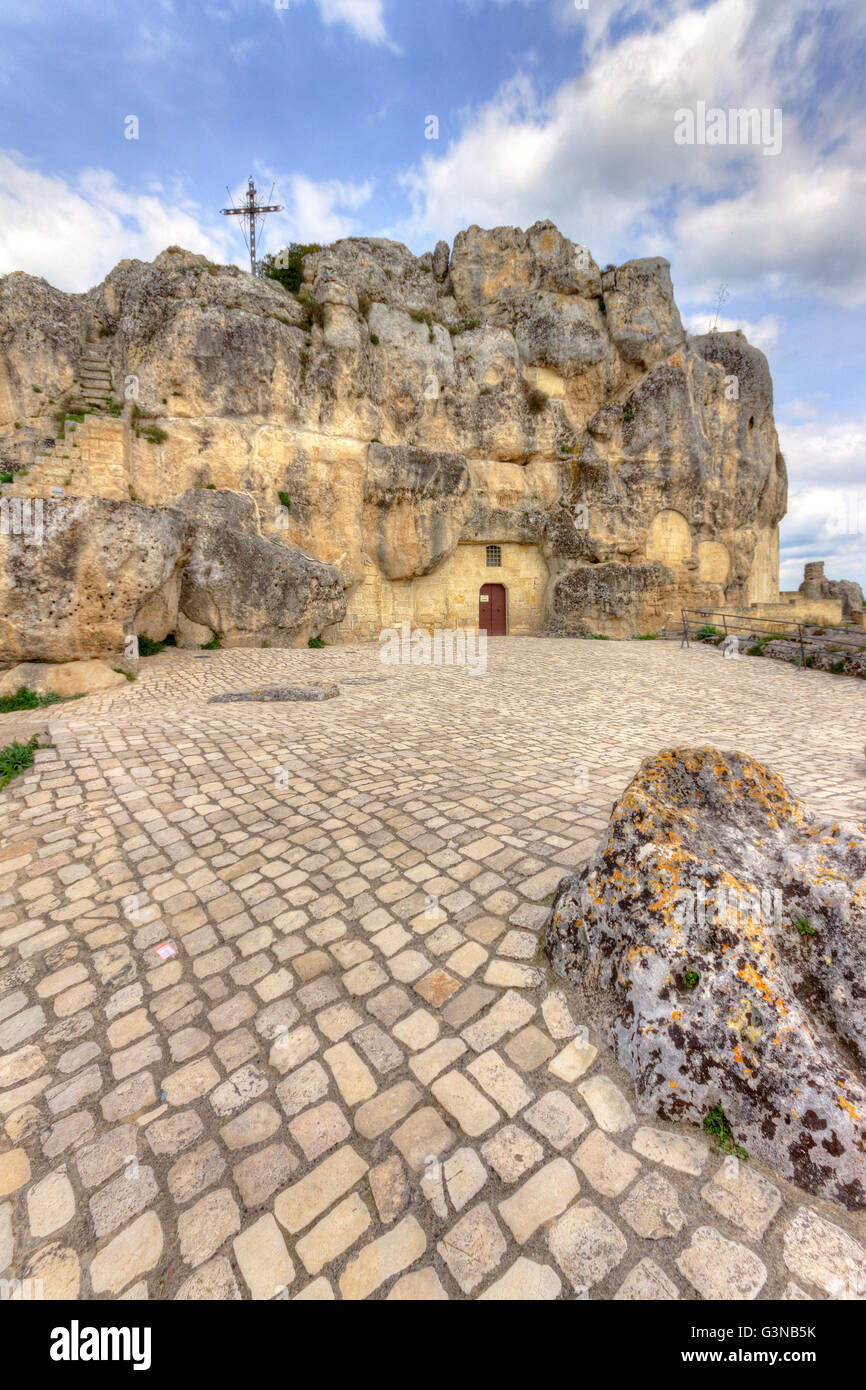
{"points": [[364, 17], [598, 155], [827, 498], [319, 212], [72, 233]]}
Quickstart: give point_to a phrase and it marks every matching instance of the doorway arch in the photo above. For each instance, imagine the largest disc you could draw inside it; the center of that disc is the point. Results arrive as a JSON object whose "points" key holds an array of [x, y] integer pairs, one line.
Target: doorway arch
{"points": [[493, 610]]}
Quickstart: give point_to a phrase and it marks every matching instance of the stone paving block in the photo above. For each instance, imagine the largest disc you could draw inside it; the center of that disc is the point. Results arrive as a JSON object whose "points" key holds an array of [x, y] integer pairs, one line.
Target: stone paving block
{"points": [[299, 1205], [214, 1283], [263, 1259], [380, 1051], [130, 1254], [334, 1234], [677, 1151], [436, 987], [259, 1175], [465, 1005], [646, 1282], [7, 1238], [390, 1005], [302, 1087], [389, 1188], [586, 1245], [530, 1048], [390, 1254], [501, 1082], [606, 1167], [652, 1210], [103, 1157], [542, 1196], [525, 1281], [425, 1133], [720, 1268], [195, 1171], [428, 1064], [506, 1016], [610, 1109], [743, 1197], [556, 1118], [386, 1109], [573, 1060], [512, 1152], [319, 1129], [122, 1198], [465, 1175], [57, 1269], [190, 1082], [242, 1086], [203, 1228], [50, 1207], [418, 1031], [14, 1171], [291, 1048], [319, 1291], [473, 1247], [822, 1253], [469, 1107], [354, 1079], [253, 1126], [421, 1286], [338, 1020]]}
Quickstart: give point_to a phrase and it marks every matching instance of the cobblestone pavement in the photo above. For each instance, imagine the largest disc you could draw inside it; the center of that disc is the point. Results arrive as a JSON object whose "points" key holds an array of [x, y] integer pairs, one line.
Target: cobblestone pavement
{"points": [[274, 1020]]}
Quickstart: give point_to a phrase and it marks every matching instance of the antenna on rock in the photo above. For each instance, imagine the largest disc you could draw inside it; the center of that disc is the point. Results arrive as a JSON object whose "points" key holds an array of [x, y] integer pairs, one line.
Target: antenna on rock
{"points": [[721, 296], [251, 210]]}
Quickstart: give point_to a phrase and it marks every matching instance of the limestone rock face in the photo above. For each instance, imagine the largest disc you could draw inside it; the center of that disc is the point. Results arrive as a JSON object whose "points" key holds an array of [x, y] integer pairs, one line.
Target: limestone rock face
{"points": [[595, 435], [722, 928], [415, 504], [248, 588], [72, 584]]}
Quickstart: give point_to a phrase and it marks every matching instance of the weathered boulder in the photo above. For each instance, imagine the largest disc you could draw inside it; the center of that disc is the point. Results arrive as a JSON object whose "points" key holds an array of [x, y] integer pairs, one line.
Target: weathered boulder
{"points": [[247, 588], [76, 573], [612, 599], [64, 678], [719, 934]]}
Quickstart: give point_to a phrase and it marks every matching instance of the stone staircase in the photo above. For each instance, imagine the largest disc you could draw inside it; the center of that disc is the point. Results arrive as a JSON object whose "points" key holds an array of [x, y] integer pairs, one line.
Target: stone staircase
{"points": [[88, 462], [94, 376]]}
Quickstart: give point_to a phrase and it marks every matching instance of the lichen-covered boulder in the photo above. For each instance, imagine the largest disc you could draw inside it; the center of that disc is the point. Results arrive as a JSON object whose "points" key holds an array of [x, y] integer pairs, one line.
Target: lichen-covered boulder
{"points": [[719, 934]]}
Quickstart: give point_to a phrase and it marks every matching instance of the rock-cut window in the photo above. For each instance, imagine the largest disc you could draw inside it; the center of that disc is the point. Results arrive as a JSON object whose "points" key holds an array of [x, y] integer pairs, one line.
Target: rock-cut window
{"points": [[494, 556]]}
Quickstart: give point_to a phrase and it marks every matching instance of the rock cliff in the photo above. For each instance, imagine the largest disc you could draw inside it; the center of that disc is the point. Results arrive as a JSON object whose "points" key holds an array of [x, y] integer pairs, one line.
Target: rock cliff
{"points": [[400, 415]]}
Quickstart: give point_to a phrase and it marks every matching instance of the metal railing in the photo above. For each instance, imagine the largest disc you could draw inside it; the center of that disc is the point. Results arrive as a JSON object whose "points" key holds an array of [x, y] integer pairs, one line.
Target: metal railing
{"points": [[733, 623], [745, 622]]}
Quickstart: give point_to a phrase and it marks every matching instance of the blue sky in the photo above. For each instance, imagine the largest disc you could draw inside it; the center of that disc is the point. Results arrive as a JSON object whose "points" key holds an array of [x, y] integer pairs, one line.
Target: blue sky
{"points": [[544, 109]]}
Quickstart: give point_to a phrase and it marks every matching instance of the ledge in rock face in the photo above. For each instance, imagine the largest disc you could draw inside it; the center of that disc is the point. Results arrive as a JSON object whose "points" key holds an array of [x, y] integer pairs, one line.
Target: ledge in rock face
{"points": [[718, 934]]}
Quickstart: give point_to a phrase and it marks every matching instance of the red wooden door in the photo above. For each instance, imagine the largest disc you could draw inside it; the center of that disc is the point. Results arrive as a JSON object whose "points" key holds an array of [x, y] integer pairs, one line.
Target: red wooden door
{"points": [[491, 610]]}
